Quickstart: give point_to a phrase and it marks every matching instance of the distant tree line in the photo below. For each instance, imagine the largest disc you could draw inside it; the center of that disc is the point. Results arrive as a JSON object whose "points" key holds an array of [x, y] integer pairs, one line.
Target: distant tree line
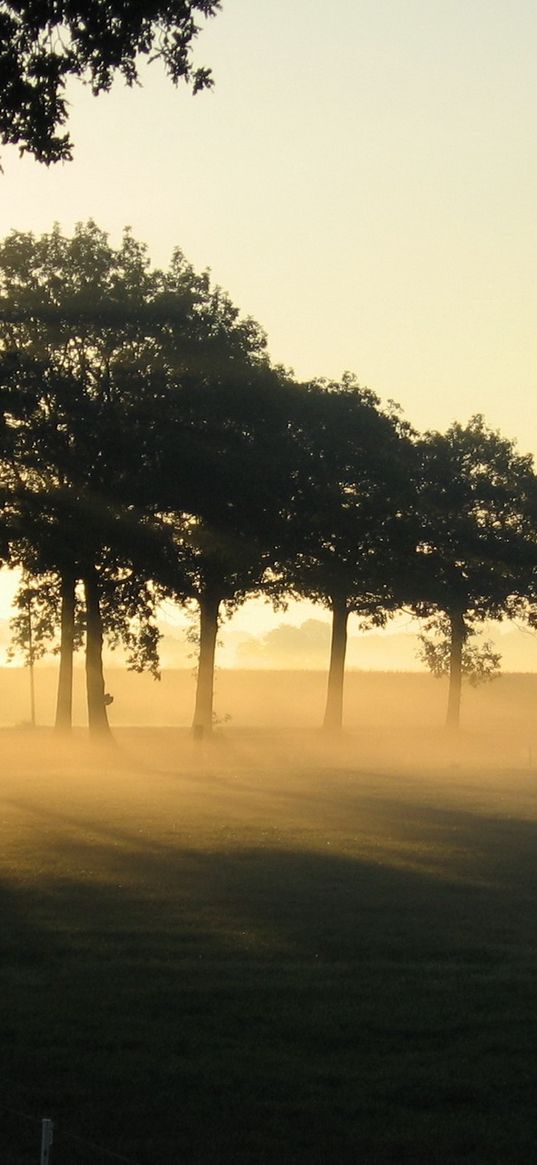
{"points": [[150, 450]]}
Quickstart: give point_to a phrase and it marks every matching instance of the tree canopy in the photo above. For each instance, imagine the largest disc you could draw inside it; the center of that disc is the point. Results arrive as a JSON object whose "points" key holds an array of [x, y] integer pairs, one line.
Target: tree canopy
{"points": [[477, 553], [43, 44], [149, 448], [349, 533], [135, 404]]}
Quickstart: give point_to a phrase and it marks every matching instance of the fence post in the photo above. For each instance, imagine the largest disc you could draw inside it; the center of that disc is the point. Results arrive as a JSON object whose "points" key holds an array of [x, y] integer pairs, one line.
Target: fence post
{"points": [[47, 1130]]}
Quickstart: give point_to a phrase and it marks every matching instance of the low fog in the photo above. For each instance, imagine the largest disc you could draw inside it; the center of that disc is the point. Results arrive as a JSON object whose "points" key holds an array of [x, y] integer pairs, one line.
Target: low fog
{"points": [[267, 922], [389, 717]]}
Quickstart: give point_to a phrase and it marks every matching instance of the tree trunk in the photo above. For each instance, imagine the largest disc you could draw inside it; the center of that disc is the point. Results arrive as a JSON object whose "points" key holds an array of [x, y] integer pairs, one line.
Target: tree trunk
{"points": [[31, 663], [203, 713], [97, 715], [333, 717], [64, 702], [458, 635]]}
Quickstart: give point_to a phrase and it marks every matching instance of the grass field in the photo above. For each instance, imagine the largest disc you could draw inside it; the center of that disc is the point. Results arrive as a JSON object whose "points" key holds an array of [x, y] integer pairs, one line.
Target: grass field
{"points": [[269, 950]]}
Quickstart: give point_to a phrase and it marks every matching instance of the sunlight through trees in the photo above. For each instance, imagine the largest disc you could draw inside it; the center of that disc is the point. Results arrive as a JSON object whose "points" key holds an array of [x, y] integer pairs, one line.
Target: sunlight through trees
{"points": [[150, 450]]}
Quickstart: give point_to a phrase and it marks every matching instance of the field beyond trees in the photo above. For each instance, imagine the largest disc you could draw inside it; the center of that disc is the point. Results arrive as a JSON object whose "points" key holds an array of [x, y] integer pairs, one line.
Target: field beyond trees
{"points": [[374, 700], [268, 948]]}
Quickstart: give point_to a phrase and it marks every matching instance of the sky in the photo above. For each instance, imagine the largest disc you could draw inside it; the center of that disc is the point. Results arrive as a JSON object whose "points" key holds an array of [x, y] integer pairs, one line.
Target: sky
{"points": [[362, 180]]}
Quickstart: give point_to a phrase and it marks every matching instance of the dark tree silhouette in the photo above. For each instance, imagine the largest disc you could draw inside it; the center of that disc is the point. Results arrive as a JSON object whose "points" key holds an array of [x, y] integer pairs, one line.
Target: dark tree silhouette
{"points": [[135, 410], [477, 552], [350, 533], [77, 326], [222, 487], [43, 44], [43, 546], [34, 542], [148, 448]]}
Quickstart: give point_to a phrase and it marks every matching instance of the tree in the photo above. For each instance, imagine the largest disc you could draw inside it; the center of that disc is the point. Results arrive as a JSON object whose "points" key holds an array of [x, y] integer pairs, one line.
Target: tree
{"points": [[42, 45], [216, 570], [210, 428], [58, 543], [480, 663], [349, 535], [132, 404], [45, 530], [220, 480], [477, 552], [77, 334], [32, 628]]}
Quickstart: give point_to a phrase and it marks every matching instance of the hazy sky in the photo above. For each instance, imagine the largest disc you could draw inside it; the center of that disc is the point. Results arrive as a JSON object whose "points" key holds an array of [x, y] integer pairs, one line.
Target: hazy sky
{"points": [[362, 180]]}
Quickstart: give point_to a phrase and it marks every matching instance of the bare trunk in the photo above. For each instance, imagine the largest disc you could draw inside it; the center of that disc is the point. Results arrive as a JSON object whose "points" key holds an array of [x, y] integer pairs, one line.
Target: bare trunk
{"points": [[31, 664], [333, 717], [97, 715], [64, 702], [203, 713], [458, 635]]}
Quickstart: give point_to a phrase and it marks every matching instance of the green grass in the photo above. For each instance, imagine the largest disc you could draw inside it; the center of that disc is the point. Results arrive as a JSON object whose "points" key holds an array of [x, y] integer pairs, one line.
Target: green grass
{"points": [[234, 956]]}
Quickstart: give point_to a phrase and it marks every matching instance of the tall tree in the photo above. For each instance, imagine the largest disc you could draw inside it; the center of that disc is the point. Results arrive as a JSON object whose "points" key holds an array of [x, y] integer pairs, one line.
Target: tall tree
{"points": [[43, 45], [222, 481], [350, 531], [133, 399], [477, 553], [77, 330]]}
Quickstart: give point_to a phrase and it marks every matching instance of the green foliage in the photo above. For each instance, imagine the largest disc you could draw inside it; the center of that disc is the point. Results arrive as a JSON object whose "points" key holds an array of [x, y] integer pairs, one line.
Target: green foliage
{"points": [[480, 663], [42, 45]]}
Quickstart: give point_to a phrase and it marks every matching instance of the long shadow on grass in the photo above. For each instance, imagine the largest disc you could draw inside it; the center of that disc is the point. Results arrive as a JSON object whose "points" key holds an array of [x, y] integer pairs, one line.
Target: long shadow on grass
{"points": [[272, 1004]]}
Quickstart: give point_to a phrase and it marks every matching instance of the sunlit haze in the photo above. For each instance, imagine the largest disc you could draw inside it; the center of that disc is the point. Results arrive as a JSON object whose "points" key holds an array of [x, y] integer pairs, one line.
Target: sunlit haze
{"points": [[362, 180], [268, 882]]}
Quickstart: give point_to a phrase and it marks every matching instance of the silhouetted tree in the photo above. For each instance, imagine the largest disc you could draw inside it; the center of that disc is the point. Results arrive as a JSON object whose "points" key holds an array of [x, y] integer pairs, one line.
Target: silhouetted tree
{"points": [[63, 542], [480, 663], [223, 465], [134, 405], [350, 533], [43, 45], [77, 326], [40, 545], [477, 552]]}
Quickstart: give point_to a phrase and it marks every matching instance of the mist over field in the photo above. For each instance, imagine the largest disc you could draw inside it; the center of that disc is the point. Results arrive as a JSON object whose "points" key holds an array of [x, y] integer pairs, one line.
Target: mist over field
{"points": [[274, 945], [267, 349], [284, 699]]}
